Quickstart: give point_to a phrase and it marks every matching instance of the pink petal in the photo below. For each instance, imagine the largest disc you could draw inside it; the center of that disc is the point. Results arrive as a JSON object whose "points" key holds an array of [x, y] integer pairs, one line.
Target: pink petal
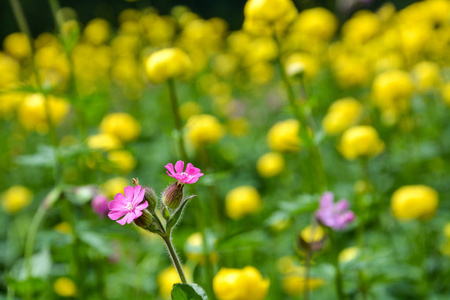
{"points": [[115, 214], [116, 205], [194, 179], [142, 206], [188, 167], [130, 217], [123, 220], [169, 168], [138, 199], [129, 193], [136, 191], [342, 205], [179, 166], [178, 177], [120, 198], [193, 171], [137, 214], [327, 199]]}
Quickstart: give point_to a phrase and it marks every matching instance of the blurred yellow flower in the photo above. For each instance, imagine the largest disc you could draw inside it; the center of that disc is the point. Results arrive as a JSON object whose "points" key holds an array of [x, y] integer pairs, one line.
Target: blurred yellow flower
{"points": [[392, 91], [204, 129], [167, 278], [360, 141], [63, 228], [189, 109], [18, 45], [348, 254], [97, 31], [427, 75], [65, 287], [312, 234], [33, 113], [113, 186], [363, 26], [16, 198], [445, 91], [121, 125], [316, 23], [242, 201], [194, 249], [447, 230], [240, 284], [9, 103], [9, 71], [270, 164], [342, 114], [103, 141], [294, 285], [167, 64], [123, 160], [284, 136], [302, 63], [414, 202]]}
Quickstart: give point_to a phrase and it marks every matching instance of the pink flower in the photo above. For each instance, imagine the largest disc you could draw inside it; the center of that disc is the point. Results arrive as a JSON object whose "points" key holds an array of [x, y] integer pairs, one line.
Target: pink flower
{"points": [[334, 215], [191, 175], [129, 205], [100, 205]]}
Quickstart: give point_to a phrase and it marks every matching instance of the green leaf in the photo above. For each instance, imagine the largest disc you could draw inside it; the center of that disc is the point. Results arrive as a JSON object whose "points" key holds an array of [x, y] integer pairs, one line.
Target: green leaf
{"points": [[181, 291], [96, 241]]}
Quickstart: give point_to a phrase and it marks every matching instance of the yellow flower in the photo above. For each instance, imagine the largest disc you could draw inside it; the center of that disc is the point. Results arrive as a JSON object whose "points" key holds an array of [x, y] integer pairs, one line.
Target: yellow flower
{"points": [[123, 160], [299, 63], [65, 287], [167, 278], [264, 16], [414, 202], [121, 125], [9, 71], [9, 103], [445, 91], [194, 249], [342, 114], [16, 198], [317, 23], [363, 26], [392, 91], [242, 201], [113, 186], [33, 113], [103, 141], [167, 64], [427, 75], [348, 254], [284, 136], [18, 45], [294, 285], [312, 234], [361, 141], [270, 164], [97, 31], [240, 284], [204, 129], [63, 228], [447, 230]]}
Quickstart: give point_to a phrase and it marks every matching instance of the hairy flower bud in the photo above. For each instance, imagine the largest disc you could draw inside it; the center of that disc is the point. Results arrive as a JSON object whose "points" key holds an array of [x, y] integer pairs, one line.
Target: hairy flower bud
{"points": [[144, 220], [151, 197], [173, 195]]}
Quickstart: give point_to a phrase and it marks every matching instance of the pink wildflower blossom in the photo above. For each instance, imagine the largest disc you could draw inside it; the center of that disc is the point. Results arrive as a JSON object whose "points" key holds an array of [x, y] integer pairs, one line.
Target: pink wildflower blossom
{"points": [[129, 205], [191, 175], [334, 215], [100, 205]]}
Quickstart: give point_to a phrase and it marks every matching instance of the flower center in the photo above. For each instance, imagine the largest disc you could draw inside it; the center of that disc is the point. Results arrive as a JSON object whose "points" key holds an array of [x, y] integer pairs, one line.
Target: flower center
{"points": [[129, 206]]}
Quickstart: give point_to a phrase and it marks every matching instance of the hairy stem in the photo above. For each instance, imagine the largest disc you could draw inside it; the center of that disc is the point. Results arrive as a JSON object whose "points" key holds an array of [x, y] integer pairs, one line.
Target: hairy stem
{"points": [[167, 238]]}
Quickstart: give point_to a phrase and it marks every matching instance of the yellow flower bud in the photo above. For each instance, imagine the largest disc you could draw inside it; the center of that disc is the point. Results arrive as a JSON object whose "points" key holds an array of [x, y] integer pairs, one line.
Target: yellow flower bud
{"points": [[167, 278], [342, 114], [240, 284], [414, 202], [270, 164], [122, 125], [360, 141], [167, 64], [103, 141], [294, 285], [312, 234], [427, 75], [15, 199], [113, 186], [392, 91], [18, 45], [242, 201], [65, 287], [123, 160], [33, 112], [204, 129], [284, 136], [97, 31]]}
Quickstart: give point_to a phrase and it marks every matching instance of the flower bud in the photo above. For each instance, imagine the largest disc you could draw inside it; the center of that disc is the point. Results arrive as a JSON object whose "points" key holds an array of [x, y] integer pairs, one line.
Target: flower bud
{"points": [[151, 197], [144, 220], [173, 195]]}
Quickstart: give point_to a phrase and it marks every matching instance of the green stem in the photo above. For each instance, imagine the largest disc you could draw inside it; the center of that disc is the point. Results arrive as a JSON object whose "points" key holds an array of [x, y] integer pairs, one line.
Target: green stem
{"points": [[177, 118], [307, 269], [360, 202], [167, 238], [338, 275]]}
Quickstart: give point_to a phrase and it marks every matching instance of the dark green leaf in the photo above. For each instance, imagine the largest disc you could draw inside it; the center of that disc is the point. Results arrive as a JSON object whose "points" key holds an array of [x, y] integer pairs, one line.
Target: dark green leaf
{"points": [[182, 291]]}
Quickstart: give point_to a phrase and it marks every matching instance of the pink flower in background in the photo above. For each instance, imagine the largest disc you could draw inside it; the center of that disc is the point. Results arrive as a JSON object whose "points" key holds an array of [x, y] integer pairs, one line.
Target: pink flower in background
{"points": [[129, 205], [334, 215], [100, 205], [191, 175]]}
